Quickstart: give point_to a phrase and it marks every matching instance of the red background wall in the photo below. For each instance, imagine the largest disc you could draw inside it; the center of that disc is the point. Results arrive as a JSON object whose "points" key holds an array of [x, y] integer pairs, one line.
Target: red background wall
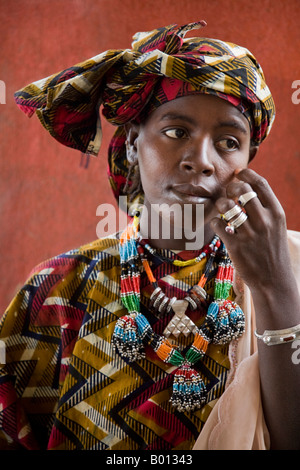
{"points": [[48, 201]]}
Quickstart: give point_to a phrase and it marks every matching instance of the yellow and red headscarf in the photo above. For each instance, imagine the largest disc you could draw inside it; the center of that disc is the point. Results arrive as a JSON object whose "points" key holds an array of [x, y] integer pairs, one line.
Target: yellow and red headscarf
{"points": [[129, 83]]}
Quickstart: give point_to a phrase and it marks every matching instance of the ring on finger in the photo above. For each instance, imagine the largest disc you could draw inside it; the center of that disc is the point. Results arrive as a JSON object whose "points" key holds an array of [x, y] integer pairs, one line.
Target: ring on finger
{"points": [[236, 210], [246, 197], [236, 223]]}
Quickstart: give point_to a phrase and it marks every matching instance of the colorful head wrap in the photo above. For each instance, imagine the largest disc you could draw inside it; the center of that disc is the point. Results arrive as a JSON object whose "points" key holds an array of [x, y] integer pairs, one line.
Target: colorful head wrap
{"points": [[161, 65]]}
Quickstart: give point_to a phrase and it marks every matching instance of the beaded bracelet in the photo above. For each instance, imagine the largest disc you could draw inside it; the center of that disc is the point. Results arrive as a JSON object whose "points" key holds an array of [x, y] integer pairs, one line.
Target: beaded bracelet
{"points": [[274, 337]]}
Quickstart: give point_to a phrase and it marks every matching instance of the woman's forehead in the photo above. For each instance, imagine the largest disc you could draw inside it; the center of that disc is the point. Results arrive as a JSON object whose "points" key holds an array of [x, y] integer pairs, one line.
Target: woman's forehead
{"points": [[199, 107]]}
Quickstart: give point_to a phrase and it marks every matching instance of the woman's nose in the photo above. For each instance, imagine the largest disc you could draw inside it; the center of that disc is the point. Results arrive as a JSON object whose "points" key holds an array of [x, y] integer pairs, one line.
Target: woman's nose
{"points": [[198, 159]]}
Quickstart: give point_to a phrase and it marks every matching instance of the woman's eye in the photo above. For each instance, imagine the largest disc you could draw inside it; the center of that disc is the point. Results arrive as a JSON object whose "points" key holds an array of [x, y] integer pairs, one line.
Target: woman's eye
{"points": [[175, 133], [228, 144]]}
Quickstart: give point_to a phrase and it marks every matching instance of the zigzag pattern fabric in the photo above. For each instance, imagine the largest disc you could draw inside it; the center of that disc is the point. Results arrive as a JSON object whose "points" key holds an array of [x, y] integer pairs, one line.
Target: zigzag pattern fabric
{"points": [[63, 387], [125, 80]]}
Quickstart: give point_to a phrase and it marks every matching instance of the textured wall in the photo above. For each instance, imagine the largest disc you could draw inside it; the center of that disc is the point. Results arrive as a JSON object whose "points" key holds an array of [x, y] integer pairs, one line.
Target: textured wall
{"points": [[48, 201]]}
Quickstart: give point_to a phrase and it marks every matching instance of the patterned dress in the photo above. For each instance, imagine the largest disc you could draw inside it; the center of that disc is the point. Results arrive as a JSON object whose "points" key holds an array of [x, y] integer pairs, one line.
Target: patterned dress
{"points": [[64, 388]]}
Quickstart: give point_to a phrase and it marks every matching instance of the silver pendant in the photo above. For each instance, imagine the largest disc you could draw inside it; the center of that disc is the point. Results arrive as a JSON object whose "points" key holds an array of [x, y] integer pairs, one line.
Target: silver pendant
{"points": [[180, 323]]}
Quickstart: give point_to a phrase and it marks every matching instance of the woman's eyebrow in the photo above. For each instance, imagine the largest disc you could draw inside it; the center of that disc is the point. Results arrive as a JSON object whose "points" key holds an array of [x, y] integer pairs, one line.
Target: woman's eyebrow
{"points": [[232, 123], [177, 116], [183, 117]]}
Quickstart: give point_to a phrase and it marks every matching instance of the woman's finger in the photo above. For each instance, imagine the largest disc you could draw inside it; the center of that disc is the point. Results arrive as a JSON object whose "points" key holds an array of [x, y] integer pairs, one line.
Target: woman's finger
{"points": [[253, 207], [261, 186], [233, 219]]}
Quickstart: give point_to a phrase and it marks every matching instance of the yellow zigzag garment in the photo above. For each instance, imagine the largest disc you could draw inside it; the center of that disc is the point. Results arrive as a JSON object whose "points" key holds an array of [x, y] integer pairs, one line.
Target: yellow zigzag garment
{"points": [[63, 387]]}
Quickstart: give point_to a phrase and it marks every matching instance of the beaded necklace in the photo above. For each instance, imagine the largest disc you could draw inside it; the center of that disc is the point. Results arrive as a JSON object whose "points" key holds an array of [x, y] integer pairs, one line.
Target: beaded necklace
{"points": [[224, 320], [177, 262]]}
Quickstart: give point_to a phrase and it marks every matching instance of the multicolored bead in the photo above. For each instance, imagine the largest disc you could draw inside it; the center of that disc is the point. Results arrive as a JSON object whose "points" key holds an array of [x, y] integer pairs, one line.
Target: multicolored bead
{"points": [[224, 320]]}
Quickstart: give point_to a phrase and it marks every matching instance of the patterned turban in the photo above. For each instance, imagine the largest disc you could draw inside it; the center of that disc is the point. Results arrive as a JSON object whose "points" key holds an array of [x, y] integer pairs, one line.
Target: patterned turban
{"points": [[129, 83]]}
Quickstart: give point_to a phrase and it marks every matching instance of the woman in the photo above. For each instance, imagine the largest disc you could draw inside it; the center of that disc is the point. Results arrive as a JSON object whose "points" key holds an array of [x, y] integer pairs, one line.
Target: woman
{"points": [[135, 341]]}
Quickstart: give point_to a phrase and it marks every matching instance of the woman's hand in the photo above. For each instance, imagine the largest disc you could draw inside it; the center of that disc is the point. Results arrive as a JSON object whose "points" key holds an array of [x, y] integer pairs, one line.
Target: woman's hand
{"points": [[258, 248], [259, 251]]}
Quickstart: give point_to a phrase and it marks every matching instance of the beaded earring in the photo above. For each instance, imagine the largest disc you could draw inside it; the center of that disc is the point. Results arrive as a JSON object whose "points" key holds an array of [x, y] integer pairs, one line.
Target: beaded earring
{"points": [[224, 320]]}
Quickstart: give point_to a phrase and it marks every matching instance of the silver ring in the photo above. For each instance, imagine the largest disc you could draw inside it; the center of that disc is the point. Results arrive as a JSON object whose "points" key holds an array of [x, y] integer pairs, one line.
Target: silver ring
{"points": [[170, 304], [232, 213], [157, 300], [236, 223], [244, 198]]}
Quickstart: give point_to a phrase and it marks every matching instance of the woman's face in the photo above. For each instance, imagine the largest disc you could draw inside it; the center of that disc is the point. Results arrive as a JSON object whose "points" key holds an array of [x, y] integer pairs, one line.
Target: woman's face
{"points": [[188, 150]]}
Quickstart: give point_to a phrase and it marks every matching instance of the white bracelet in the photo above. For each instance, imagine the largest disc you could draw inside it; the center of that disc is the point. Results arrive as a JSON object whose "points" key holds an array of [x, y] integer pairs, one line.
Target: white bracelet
{"points": [[273, 337]]}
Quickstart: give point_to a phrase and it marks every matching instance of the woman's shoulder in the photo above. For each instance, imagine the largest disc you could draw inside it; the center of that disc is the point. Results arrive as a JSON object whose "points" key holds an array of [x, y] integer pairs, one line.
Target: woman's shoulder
{"points": [[67, 279], [98, 254]]}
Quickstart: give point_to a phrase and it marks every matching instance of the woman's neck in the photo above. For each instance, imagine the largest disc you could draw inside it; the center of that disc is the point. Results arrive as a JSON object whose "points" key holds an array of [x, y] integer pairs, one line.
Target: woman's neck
{"points": [[163, 231]]}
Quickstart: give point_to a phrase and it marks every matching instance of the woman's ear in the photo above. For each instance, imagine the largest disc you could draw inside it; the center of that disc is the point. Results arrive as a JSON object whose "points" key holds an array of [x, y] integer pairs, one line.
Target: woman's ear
{"points": [[132, 132], [253, 151]]}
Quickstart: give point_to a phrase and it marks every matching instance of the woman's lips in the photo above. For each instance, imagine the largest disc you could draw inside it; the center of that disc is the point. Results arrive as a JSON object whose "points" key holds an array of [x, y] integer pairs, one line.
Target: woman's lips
{"points": [[191, 192]]}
